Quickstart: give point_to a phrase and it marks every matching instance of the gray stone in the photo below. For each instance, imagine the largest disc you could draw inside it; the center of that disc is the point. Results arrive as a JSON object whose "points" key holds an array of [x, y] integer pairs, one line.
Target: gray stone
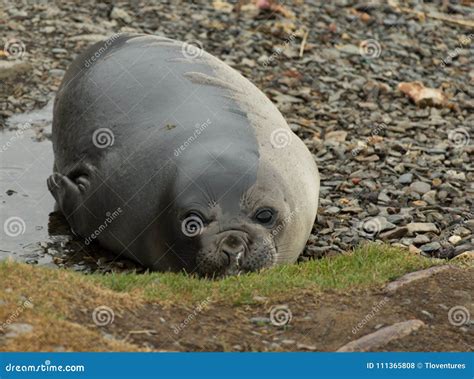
{"points": [[398, 218], [421, 227], [58, 73], [120, 14], [430, 247], [373, 210], [394, 233], [420, 187], [430, 197], [260, 320], [17, 329], [405, 178], [462, 231], [332, 210], [420, 239]]}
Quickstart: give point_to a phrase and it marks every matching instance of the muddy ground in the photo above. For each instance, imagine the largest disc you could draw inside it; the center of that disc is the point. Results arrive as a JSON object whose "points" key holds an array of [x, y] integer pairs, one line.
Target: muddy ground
{"points": [[309, 321], [319, 322]]}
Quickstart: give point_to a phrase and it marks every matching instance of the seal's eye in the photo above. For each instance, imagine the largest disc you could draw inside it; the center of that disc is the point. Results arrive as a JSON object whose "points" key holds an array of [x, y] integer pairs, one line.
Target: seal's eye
{"points": [[265, 216]]}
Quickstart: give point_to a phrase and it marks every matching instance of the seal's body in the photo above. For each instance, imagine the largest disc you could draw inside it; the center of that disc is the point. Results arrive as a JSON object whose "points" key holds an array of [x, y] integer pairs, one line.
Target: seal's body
{"points": [[166, 155]]}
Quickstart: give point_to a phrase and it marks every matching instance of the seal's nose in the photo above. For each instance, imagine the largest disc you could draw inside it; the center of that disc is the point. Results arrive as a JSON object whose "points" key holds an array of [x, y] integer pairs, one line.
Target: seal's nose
{"points": [[233, 247]]}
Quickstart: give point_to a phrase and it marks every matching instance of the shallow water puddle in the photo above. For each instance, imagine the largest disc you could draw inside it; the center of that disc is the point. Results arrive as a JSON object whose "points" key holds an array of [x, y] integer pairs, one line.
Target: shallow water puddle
{"points": [[30, 232], [25, 162]]}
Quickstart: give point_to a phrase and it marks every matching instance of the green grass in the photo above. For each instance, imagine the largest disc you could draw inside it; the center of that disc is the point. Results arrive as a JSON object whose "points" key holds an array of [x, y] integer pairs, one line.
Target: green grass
{"points": [[368, 265]]}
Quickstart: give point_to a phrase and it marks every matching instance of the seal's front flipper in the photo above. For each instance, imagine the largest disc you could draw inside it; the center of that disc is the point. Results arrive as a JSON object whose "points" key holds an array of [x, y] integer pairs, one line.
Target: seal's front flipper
{"points": [[68, 193]]}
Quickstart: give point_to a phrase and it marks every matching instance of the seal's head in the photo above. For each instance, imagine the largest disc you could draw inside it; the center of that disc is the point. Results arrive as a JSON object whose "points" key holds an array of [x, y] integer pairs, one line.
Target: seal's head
{"points": [[227, 222]]}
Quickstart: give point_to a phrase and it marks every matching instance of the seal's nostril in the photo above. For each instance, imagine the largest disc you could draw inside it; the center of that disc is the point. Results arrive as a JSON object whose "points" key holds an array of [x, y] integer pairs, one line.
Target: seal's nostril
{"points": [[227, 257], [233, 254], [234, 248]]}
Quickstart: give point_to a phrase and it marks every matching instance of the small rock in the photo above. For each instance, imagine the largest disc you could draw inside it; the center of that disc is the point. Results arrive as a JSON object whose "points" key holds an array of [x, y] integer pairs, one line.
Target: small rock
{"points": [[427, 314], [454, 175], [394, 233], [462, 231], [430, 197], [454, 239], [17, 329], [467, 256], [336, 136], [421, 239], [49, 29], [430, 247], [120, 14], [405, 178], [470, 224], [58, 73], [372, 209], [420, 187], [421, 227], [332, 210], [436, 182], [383, 198], [260, 320], [420, 203], [398, 218], [302, 346], [59, 51]]}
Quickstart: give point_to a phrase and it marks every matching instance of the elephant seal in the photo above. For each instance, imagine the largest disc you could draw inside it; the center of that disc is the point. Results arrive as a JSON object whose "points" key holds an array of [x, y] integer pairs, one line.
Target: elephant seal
{"points": [[166, 155]]}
